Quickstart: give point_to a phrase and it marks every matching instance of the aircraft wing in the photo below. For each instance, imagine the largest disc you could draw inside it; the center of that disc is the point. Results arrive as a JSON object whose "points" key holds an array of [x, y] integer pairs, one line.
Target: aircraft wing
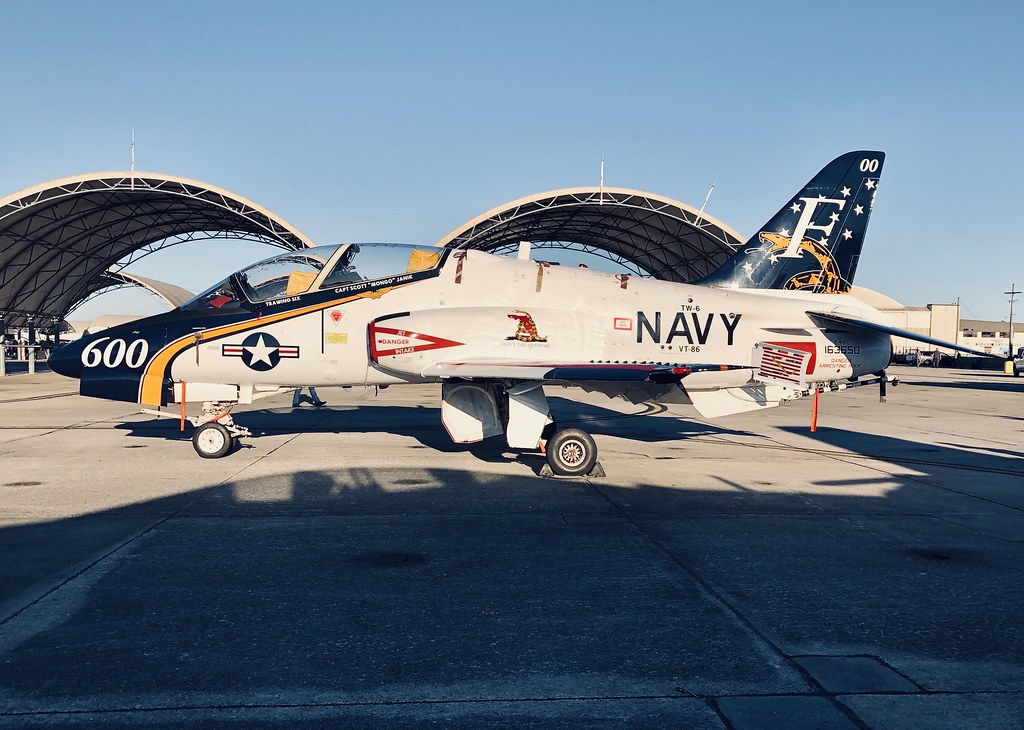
{"points": [[852, 324], [573, 372]]}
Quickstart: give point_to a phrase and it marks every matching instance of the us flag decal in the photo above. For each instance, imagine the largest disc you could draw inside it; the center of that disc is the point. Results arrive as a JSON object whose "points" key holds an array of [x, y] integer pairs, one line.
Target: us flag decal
{"points": [[782, 364]]}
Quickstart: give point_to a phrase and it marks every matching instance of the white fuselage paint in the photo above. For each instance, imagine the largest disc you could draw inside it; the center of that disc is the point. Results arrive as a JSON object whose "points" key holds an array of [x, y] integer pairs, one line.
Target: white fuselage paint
{"points": [[580, 316]]}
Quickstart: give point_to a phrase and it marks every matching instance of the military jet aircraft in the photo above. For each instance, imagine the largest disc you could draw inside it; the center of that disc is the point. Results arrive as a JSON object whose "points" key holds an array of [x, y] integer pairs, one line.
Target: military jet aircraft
{"points": [[776, 322]]}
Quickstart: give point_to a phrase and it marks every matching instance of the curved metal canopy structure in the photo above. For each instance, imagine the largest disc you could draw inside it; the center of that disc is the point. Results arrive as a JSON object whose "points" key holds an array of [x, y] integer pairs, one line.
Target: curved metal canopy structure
{"points": [[170, 294], [58, 239], [648, 234]]}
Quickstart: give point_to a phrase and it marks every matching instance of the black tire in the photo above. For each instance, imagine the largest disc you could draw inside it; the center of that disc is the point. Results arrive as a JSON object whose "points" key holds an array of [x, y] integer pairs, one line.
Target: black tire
{"points": [[212, 441], [571, 452]]}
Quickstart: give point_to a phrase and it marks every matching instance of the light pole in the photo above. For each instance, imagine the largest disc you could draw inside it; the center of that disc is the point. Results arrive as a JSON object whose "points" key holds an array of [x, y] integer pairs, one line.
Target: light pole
{"points": [[3, 346], [1013, 292]]}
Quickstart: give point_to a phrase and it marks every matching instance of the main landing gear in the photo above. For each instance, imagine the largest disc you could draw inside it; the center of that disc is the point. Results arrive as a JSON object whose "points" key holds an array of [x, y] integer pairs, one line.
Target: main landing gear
{"points": [[572, 453], [473, 411]]}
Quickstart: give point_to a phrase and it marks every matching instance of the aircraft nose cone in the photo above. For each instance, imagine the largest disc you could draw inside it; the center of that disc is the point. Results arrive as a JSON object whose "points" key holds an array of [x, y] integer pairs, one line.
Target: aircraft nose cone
{"points": [[67, 360]]}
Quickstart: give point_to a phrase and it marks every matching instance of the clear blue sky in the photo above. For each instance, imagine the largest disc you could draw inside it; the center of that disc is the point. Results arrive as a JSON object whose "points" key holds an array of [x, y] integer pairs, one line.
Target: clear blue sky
{"points": [[399, 121]]}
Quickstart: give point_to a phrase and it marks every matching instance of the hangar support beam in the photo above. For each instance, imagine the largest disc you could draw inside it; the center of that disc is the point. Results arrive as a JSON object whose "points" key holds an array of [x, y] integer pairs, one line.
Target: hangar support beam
{"points": [[58, 239]]}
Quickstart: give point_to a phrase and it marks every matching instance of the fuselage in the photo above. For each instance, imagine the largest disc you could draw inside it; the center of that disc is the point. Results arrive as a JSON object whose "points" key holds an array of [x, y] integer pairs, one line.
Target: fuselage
{"points": [[469, 306]]}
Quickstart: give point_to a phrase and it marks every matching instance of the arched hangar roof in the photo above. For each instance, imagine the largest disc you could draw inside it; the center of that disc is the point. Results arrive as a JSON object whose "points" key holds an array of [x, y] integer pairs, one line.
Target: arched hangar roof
{"points": [[57, 239], [648, 233]]}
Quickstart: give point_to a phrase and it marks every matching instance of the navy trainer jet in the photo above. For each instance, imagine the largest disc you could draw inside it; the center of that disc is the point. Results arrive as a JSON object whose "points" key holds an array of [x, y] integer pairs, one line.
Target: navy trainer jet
{"points": [[775, 323]]}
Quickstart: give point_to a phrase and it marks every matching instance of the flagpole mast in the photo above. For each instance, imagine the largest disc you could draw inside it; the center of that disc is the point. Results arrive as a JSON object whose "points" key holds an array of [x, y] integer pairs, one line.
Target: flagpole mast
{"points": [[132, 166]]}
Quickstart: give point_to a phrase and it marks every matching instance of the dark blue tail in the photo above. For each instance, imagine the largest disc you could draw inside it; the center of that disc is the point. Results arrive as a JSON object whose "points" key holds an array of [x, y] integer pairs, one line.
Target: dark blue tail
{"points": [[813, 243]]}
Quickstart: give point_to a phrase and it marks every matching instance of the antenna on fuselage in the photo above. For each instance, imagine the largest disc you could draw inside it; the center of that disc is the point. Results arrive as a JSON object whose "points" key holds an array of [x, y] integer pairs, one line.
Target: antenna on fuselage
{"points": [[707, 197], [601, 196]]}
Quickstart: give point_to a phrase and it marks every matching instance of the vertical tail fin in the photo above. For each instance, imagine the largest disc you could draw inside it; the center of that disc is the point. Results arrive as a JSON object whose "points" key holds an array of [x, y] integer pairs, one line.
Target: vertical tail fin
{"points": [[813, 243]]}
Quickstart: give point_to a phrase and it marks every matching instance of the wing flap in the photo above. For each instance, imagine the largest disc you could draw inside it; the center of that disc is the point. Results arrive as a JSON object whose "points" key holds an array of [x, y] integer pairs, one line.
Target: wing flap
{"points": [[574, 372]]}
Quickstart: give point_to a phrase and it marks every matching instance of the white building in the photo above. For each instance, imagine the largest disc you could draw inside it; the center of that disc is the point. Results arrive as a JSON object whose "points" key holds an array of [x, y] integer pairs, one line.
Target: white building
{"points": [[943, 322]]}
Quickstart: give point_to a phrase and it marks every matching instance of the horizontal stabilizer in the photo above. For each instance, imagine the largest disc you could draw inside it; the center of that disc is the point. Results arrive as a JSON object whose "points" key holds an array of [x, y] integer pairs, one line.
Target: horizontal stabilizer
{"points": [[849, 324]]}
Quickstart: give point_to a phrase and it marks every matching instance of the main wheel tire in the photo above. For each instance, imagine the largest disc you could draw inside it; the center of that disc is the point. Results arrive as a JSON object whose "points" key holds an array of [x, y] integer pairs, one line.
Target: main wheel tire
{"points": [[571, 452], [212, 440]]}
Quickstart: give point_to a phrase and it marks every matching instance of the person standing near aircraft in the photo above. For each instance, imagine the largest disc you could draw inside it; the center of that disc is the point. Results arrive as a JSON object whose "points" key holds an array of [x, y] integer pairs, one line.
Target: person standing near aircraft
{"points": [[313, 397]]}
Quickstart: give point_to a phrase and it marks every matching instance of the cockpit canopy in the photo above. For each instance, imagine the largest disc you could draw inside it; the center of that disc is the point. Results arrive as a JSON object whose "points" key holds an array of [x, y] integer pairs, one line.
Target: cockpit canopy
{"points": [[314, 269]]}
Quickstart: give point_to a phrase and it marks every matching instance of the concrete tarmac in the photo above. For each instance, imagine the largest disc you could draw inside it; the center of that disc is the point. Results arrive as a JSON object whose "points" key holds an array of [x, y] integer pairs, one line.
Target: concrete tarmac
{"points": [[350, 567]]}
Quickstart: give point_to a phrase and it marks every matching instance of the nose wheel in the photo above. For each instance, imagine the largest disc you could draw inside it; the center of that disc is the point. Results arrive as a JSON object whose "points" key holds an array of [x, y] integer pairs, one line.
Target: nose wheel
{"points": [[212, 440], [216, 433]]}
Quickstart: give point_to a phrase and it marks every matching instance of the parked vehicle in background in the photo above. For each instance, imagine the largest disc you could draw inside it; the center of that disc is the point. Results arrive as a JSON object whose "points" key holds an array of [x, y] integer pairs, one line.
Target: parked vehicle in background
{"points": [[1018, 362]]}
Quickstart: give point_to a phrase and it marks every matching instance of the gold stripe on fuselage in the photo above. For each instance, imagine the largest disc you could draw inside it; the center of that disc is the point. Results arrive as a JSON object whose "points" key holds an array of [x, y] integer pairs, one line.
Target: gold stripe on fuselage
{"points": [[151, 385]]}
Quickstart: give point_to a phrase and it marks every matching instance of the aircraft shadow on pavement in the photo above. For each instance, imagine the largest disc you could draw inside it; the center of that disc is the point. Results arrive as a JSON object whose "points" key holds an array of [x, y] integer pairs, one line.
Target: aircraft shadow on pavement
{"points": [[987, 473], [424, 424], [366, 585], [1010, 385]]}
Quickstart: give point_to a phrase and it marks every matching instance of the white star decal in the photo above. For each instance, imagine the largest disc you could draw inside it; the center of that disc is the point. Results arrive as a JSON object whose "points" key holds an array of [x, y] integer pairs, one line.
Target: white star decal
{"points": [[834, 217], [774, 259], [845, 192], [870, 184], [795, 207], [748, 267], [260, 352], [858, 210], [847, 234], [783, 231]]}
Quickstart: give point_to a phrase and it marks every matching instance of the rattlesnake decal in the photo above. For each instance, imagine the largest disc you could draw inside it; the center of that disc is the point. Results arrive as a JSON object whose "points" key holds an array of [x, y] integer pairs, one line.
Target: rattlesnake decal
{"points": [[526, 331]]}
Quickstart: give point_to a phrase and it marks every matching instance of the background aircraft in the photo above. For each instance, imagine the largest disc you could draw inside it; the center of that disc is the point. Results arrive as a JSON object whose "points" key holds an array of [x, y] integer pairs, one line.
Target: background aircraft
{"points": [[773, 323]]}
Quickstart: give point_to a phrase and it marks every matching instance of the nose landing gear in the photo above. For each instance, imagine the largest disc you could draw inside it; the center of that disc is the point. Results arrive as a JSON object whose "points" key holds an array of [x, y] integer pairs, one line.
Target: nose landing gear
{"points": [[212, 441], [216, 433]]}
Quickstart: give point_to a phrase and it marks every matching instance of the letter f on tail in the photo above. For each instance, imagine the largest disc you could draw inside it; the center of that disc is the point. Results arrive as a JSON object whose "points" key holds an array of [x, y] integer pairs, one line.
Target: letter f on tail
{"points": [[813, 243]]}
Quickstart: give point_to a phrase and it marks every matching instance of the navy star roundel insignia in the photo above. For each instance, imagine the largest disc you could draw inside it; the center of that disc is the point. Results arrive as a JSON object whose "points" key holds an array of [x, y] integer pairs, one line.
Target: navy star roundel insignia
{"points": [[260, 351]]}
